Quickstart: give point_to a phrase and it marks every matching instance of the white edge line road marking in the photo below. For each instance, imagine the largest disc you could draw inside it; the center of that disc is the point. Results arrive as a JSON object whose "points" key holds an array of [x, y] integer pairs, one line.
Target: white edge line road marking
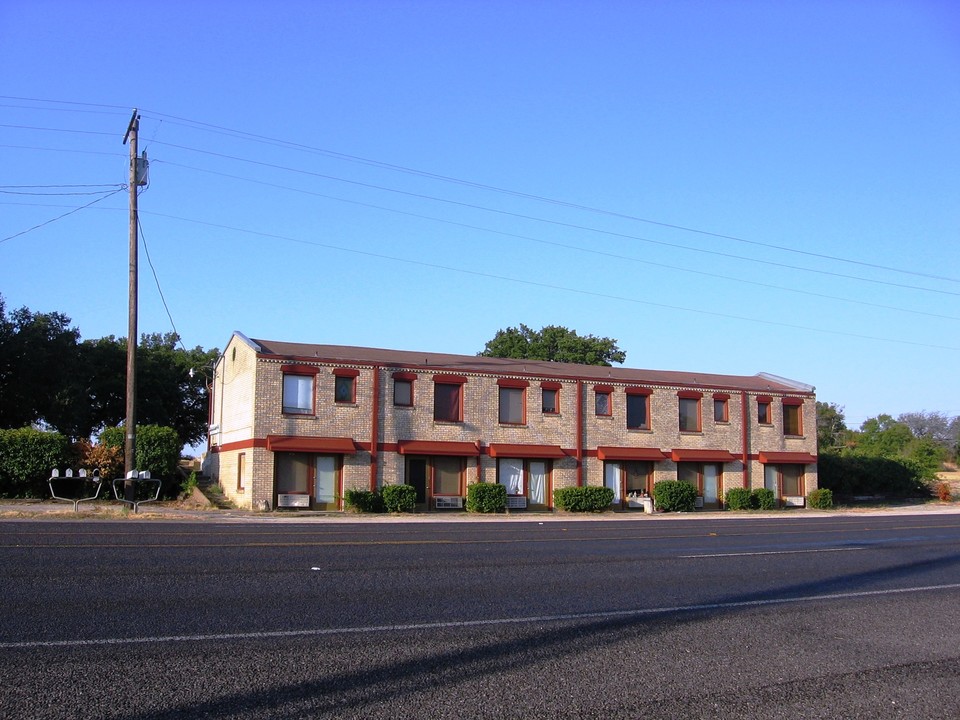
{"points": [[772, 552], [610, 614]]}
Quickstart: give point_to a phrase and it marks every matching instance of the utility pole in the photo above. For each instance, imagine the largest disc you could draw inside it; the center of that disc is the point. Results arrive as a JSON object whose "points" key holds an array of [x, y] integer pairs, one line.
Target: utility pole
{"points": [[130, 445]]}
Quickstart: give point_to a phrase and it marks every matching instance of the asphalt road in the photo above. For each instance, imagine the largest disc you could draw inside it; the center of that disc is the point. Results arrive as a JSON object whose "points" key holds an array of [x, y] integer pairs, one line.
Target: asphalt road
{"points": [[790, 617]]}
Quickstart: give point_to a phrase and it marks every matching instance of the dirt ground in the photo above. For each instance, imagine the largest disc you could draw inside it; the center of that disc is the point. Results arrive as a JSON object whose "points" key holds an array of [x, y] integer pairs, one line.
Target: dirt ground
{"points": [[951, 475]]}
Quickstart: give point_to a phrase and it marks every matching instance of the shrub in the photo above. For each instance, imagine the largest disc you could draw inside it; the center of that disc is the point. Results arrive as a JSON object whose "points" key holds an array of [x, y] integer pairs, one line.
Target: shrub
{"points": [[821, 499], [189, 485], [105, 458], [943, 492], [737, 499], [26, 458], [157, 448], [399, 498], [675, 496], [763, 499], [852, 474], [486, 497], [364, 501], [583, 499]]}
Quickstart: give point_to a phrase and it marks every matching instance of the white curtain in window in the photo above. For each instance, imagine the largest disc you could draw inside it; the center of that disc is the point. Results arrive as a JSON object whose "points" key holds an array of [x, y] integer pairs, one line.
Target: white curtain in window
{"points": [[326, 480], [511, 475], [611, 478], [298, 392], [770, 477], [710, 489], [538, 483]]}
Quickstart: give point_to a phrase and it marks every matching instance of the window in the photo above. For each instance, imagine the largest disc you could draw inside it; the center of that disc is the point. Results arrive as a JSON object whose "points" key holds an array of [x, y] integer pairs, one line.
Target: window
{"points": [[403, 393], [791, 480], [524, 478], [298, 394], [344, 389], [447, 405], [638, 411], [788, 477], [628, 478], [447, 472], [345, 385], [241, 472], [604, 407], [293, 473], [792, 417], [689, 414], [403, 389], [763, 411], [721, 408], [511, 405], [551, 397]]}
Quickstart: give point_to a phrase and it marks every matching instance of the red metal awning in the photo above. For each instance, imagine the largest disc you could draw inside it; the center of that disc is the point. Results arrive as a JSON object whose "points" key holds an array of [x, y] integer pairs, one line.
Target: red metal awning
{"points": [[526, 451], [787, 458], [437, 447], [691, 455], [629, 453], [298, 443]]}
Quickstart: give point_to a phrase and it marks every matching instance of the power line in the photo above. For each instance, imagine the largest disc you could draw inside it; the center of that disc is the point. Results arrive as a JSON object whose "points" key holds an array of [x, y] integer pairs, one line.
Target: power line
{"points": [[567, 246], [540, 198], [561, 288], [558, 223], [209, 127], [156, 279], [60, 217]]}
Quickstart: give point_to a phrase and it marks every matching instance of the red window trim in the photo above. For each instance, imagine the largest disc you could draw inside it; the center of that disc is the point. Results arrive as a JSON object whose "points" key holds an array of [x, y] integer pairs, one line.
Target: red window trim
{"points": [[551, 385], [548, 387], [523, 399], [690, 394], [450, 379], [792, 401], [299, 369], [764, 398], [638, 391], [346, 372], [407, 376], [512, 383], [353, 388], [721, 396], [603, 388]]}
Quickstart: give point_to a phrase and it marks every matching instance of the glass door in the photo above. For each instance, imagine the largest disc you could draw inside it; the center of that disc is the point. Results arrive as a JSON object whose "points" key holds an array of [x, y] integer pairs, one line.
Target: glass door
{"points": [[325, 483]]}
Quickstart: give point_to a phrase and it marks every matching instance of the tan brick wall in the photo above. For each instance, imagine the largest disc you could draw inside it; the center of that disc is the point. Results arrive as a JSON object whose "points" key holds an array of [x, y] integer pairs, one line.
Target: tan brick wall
{"points": [[245, 378]]}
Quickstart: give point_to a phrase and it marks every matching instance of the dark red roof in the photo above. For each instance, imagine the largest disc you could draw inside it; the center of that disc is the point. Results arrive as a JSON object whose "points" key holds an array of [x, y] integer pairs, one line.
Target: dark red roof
{"points": [[442, 362]]}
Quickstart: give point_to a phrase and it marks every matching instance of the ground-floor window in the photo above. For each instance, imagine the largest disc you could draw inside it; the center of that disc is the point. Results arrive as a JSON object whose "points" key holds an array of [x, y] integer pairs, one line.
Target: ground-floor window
{"points": [[628, 479], [707, 478], [785, 480], [307, 480], [438, 476], [526, 479]]}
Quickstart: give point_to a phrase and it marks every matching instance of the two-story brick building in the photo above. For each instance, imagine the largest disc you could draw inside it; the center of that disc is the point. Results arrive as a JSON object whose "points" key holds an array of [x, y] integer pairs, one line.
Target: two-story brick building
{"points": [[296, 425]]}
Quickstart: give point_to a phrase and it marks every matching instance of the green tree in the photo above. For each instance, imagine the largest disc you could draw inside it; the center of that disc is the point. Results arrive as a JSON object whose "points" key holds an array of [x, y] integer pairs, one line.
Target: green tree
{"points": [[883, 436], [555, 344], [831, 427], [37, 354]]}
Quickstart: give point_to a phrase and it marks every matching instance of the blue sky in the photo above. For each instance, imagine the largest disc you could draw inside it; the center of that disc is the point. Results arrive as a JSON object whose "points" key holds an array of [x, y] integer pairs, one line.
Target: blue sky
{"points": [[727, 187]]}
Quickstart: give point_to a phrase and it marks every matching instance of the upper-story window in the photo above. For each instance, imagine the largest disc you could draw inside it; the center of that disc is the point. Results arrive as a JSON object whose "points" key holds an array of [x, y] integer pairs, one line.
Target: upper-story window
{"points": [[513, 401], [403, 389], [721, 408], [550, 392], [638, 409], [345, 385], [763, 410], [448, 398], [603, 402], [792, 416], [298, 390], [689, 410]]}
